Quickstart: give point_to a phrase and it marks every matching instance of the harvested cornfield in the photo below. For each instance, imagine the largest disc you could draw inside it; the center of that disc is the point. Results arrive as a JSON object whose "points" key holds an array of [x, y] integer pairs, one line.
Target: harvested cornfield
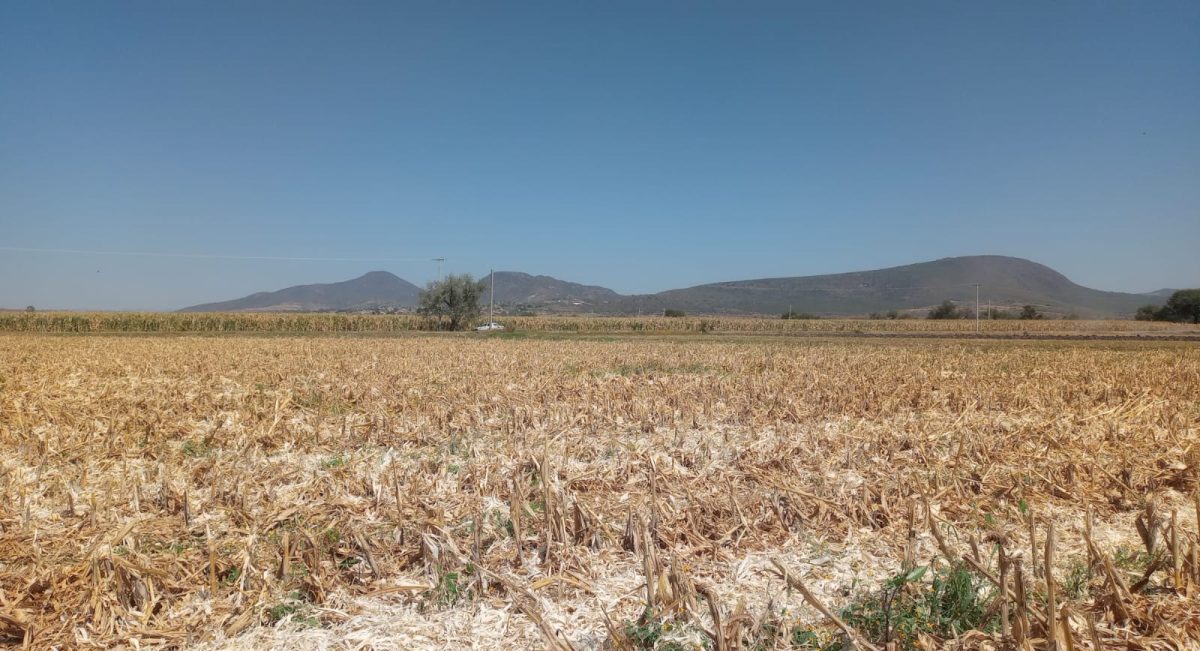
{"points": [[635, 493], [304, 323]]}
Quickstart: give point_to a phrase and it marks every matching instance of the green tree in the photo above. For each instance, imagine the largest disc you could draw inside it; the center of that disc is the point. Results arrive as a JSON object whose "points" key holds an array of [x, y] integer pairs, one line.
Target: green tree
{"points": [[30, 308], [1184, 305], [947, 310], [454, 302], [1029, 313], [1149, 312], [676, 313]]}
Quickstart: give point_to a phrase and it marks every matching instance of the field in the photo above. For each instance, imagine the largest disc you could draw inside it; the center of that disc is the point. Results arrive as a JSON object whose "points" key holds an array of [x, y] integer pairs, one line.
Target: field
{"points": [[307, 323], [565, 492]]}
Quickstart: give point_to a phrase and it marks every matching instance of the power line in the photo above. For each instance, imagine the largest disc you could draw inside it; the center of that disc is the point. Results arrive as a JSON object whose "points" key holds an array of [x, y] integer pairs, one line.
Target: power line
{"points": [[209, 256]]}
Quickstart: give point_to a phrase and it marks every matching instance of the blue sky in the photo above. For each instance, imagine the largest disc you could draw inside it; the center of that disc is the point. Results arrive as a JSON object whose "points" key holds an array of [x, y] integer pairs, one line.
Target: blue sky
{"points": [[637, 145]]}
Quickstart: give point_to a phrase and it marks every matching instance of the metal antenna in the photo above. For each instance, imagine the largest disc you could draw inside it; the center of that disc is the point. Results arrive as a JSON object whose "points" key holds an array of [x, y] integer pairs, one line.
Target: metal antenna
{"points": [[439, 261]]}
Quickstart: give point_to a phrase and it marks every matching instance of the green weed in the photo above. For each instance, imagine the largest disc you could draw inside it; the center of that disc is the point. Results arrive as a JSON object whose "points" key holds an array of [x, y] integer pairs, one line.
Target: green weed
{"points": [[948, 605], [503, 523], [1078, 581], [333, 462], [803, 638], [231, 576], [1129, 558], [295, 604], [193, 449], [647, 632], [449, 590]]}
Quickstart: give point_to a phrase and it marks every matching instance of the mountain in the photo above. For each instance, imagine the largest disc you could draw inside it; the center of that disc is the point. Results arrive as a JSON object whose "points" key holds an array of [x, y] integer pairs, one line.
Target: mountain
{"points": [[1161, 294], [516, 289], [377, 289], [1005, 281]]}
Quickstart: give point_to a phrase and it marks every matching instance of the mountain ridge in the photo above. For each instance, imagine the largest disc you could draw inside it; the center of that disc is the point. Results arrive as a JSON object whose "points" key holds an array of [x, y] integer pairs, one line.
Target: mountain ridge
{"points": [[378, 288], [1003, 280], [516, 288]]}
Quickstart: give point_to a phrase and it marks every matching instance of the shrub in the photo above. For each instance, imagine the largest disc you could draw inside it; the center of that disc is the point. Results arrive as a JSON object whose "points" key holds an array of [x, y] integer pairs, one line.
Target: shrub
{"points": [[1030, 313], [1148, 312], [792, 314], [674, 313], [947, 310], [1155, 313]]}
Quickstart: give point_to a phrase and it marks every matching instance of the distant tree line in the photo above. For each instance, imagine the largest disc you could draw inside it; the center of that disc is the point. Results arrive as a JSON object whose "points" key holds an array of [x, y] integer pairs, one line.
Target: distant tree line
{"points": [[890, 314], [1183, 306], [948, 310], [454, 304]]}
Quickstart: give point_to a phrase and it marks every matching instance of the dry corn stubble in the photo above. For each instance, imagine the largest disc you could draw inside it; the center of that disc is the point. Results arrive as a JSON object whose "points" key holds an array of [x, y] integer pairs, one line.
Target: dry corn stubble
{"points": [[430, 491], [307, 323]]}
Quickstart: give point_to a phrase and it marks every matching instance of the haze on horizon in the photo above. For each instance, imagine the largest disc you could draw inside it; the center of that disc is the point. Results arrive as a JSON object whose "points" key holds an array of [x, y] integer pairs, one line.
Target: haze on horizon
{"points": [[639, 146]]}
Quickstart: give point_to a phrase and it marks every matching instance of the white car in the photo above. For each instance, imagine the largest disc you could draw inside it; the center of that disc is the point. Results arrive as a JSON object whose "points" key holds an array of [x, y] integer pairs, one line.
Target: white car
{"points": [[490, 325]]}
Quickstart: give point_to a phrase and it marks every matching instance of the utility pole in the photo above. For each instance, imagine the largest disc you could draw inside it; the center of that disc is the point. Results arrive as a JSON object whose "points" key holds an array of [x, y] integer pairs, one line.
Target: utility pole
{"points": [[439, 261], [976, 307], [492, 300]]}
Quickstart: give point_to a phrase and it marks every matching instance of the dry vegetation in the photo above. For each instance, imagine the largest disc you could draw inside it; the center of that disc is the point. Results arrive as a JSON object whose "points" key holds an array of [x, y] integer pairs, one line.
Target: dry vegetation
{"points": [[432, 492], [307, 323]]}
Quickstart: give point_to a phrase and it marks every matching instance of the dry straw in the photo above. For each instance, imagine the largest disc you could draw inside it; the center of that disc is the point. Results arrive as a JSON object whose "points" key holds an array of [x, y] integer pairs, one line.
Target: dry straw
{"points": [[427, 492], [329, 323]]}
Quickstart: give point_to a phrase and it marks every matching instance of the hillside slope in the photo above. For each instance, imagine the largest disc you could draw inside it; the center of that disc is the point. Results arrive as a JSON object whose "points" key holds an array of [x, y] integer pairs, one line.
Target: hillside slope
{"points": [[514, 288], [374, 289], [1003, 280]]}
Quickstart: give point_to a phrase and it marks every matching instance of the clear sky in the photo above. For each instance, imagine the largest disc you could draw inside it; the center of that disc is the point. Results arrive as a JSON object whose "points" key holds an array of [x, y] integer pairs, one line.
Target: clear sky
{"points": [[637, 145]]}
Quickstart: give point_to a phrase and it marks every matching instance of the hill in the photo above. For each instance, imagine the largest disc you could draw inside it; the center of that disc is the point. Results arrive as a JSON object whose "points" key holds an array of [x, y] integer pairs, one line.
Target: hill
{"points": [[377, 289], [521, 290], [1004, 281], [1161, 294]]}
